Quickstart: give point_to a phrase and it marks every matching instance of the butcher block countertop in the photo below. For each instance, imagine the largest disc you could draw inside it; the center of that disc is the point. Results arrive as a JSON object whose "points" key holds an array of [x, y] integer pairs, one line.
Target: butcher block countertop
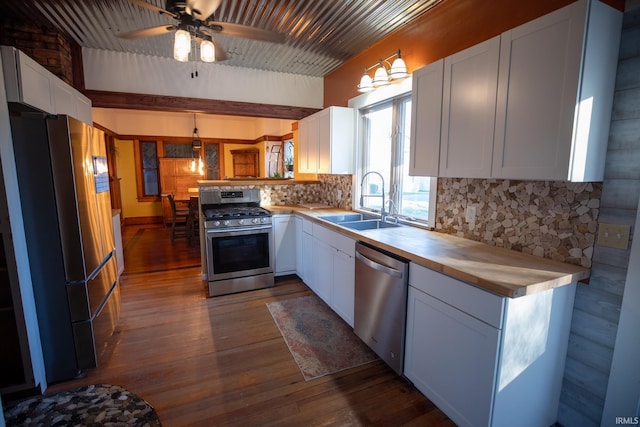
{"points": [[501, 271]]}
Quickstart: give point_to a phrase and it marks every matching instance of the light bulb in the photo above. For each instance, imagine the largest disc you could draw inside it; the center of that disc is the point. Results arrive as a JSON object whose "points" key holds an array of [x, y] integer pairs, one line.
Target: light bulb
{"points": [[381, 78], [366, 85], [398, 68], [182, 46], [207, 51]]}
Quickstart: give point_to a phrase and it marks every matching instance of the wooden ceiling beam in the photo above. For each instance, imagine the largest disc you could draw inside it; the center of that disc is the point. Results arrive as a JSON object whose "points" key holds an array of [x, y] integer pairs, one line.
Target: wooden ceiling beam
{"points": [[136, 101]]}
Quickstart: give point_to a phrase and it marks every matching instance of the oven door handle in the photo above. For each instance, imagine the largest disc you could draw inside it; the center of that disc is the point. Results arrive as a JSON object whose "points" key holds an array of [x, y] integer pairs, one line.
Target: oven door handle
{"points": [[243, 229]]}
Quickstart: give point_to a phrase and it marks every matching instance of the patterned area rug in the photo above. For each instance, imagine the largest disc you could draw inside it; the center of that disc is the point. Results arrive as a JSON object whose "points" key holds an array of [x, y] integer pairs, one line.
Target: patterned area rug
{"points": [[94, 405], [319, 340]]}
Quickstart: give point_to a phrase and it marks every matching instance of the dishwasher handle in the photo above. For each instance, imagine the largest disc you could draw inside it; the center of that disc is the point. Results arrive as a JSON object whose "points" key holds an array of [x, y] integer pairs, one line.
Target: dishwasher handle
{"points": [[383, 268]]}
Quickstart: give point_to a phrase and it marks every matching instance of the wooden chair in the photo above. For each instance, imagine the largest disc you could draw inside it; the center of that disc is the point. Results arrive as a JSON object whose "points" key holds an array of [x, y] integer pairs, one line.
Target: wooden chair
{"points": [[179, 220], [193, 223]]}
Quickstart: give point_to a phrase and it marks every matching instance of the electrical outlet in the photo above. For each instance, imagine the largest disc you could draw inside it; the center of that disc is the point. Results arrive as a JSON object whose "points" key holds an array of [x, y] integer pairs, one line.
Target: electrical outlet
{"points": [[614, 235], [470, 214], [339, 195]]}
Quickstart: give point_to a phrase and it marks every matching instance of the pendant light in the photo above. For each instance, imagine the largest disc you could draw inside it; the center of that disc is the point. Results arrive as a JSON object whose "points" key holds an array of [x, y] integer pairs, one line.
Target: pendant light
{"points": [[196, 151]]}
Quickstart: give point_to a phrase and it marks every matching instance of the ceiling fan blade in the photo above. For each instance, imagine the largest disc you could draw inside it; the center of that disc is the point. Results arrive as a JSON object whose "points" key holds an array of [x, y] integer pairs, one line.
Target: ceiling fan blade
{"points": [[221, 55], [153, 8], [148, 32], [244, 31]]}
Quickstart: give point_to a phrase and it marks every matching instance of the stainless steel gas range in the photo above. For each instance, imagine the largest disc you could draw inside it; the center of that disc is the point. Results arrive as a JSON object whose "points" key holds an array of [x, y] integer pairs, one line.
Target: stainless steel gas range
{"points": [[239, 239]]}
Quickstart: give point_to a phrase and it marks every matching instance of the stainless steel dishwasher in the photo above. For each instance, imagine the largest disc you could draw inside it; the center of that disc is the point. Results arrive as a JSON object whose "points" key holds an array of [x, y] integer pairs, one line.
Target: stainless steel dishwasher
{"points": [[381, 302]]}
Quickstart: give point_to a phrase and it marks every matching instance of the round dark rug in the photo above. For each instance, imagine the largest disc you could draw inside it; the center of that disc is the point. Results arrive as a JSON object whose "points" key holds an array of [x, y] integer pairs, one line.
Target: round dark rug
{"points": [[94, 405]]}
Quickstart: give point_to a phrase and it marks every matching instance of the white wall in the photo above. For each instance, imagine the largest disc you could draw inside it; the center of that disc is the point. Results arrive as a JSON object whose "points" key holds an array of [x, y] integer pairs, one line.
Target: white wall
{"points": [[158, 123], [135, 73], [623, 393]]}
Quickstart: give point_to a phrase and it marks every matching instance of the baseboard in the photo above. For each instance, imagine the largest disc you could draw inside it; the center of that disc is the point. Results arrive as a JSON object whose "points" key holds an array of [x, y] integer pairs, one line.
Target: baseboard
{"points": [[142, 220]]}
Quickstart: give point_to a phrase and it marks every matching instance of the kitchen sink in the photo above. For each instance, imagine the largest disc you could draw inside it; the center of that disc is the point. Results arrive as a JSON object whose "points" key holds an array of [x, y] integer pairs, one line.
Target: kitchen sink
{"points": [[368, 224], [338, 219]]}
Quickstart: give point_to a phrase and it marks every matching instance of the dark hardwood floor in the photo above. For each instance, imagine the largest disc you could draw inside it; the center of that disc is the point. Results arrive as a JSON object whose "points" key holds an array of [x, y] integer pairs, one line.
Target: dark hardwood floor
{"points": [[222, 361]]}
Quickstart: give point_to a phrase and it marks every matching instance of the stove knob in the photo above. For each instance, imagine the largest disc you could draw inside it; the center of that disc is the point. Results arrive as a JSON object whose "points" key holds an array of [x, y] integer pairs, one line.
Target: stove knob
{"points": [[226, 222], [241, 221], [255, 220], [263, 220], [217, 223]]}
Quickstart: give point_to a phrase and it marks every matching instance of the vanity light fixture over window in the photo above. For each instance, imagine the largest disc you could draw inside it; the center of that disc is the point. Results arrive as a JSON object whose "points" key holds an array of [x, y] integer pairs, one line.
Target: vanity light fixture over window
{"points": [[382, 76]]}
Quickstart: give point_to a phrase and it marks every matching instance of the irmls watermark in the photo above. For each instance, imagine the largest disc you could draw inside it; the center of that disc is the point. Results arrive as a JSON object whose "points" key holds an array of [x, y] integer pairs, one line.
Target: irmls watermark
{"points": [[629, 421]]}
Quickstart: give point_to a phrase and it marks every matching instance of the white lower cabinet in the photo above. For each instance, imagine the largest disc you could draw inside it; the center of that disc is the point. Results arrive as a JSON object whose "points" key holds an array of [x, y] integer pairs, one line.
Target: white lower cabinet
{"points": [[298, 228], [284, 238], [117, 239], [453, 364], [483, 359], [323, 270], [304, 249], [330, 270], [343, 289]]}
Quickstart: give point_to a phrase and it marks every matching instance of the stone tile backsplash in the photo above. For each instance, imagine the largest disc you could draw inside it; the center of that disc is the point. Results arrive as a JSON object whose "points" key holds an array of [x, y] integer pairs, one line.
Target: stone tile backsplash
{"points": [[556, 220], [324, 191]]}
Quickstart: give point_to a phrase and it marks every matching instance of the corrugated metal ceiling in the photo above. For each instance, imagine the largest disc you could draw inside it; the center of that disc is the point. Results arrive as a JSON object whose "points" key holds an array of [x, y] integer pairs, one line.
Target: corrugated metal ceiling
{"points": [[320, 34]]}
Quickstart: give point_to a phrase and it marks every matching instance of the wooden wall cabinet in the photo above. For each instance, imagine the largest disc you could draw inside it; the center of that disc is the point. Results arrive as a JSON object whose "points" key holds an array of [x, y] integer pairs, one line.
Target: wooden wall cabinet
{"points": [[327, 141], [533, 103], [29, 83], [246, 163]]}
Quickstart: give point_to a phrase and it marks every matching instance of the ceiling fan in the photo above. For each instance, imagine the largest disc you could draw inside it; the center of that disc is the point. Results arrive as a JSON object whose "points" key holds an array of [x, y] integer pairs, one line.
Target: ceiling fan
{"points": [[195, 20]]}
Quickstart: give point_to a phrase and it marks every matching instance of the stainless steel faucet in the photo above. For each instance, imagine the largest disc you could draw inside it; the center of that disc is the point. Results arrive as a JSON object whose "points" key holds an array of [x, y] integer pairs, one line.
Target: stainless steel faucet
{"points": [[362, 195]]}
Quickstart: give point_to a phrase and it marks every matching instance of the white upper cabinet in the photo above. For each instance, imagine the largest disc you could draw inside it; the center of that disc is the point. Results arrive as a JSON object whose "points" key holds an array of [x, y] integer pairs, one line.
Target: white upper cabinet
{"points": [[555, 94], [426, 115], [29, 83], [533, 103], [468, 111], [26, 81], [71, 102], [327, 141]]}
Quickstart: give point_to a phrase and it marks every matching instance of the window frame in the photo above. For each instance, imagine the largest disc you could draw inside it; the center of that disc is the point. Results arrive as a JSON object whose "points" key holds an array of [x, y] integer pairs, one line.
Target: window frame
{"points": [[160, 153], [370, 100]]}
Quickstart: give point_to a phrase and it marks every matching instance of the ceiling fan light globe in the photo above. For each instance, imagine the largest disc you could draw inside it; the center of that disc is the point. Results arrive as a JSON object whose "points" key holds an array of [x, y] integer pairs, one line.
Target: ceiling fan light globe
{"points": [[207, 51], [182, 46]]}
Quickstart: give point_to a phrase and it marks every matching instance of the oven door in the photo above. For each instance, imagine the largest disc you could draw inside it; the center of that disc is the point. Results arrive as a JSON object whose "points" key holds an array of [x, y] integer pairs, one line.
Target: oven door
{"points": [[239, 252]]}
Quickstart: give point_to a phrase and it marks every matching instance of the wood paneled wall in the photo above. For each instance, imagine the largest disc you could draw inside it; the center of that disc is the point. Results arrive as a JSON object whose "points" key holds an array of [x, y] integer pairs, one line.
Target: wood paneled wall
{"points": [[597, 306], [449, 27]]}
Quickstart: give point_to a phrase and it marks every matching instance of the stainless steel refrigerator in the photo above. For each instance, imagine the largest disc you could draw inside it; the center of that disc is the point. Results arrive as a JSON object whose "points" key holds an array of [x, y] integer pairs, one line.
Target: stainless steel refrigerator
{"points": [[64, 192]]}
